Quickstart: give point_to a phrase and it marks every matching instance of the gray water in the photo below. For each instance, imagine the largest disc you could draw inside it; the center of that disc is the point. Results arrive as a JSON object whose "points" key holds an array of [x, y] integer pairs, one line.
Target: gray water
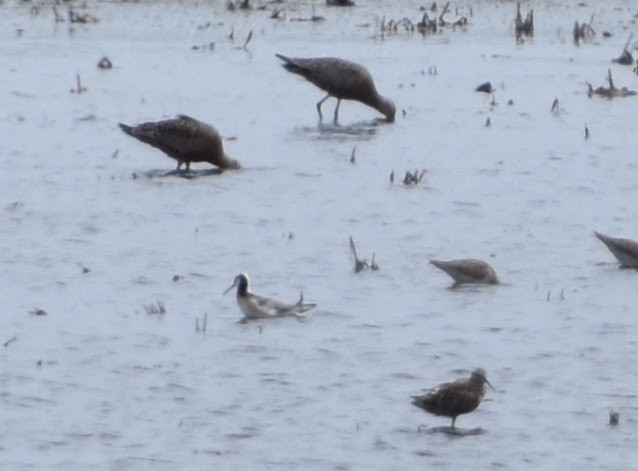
{"points": [[99, 383]]}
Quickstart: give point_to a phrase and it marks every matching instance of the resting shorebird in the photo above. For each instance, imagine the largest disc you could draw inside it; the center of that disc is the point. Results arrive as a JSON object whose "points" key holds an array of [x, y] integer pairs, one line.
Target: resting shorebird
{"points": [[467, 270], [343, 80], [259, 307], [453, 399], [184, 139], [625, 250]]}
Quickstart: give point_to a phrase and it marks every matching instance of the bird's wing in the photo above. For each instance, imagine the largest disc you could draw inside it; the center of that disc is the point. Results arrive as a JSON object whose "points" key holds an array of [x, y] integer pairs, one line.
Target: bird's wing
{"points": [[475, 269], [466, 269], [271, 307], [187, 135], [338, 77]]}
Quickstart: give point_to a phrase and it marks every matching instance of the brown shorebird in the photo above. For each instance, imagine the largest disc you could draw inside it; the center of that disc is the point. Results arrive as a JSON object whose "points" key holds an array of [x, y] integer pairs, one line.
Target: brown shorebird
{"points": [[625, 250], [184, 139], [343, 80], [453, 399], [467, 270]]}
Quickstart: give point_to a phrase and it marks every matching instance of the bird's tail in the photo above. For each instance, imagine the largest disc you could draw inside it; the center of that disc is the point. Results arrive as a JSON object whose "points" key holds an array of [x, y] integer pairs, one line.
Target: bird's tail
{"points": [[127, 129], [420, 401], [292, 65], [287, 60], [145, 132], [302, 307]]}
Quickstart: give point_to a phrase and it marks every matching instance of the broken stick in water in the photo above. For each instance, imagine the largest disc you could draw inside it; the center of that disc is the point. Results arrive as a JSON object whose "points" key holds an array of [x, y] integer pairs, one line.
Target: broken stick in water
{"points": [[79, 89], [248, 38], [523, 27], [625, 57], [611, 91], [583, 31], [361, 265]]}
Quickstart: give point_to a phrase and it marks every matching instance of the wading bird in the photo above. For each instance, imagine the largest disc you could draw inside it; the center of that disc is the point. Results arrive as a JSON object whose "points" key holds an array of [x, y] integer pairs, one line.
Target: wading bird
{"points": [[259, 307], [184, 139], [342, 79], [453, 399]]}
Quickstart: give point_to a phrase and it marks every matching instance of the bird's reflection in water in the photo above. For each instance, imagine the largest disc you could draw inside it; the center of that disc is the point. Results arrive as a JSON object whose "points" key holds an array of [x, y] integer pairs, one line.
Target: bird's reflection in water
{"points": [[186, 174]]}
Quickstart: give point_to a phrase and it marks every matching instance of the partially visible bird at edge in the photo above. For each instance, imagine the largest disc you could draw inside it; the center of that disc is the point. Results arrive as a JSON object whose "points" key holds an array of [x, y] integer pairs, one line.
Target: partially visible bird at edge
{"points": [[625, 250]]}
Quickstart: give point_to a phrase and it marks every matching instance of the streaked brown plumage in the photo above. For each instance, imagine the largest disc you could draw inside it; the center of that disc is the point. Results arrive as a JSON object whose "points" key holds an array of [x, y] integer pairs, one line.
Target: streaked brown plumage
{"points": [[184, 139], [453, 399], [625, 250], [467, 270], [342, 79]]}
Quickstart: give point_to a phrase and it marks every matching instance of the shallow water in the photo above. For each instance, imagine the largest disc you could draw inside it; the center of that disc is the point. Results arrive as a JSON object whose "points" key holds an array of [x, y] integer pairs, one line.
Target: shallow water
{"points": [[98, 383]]}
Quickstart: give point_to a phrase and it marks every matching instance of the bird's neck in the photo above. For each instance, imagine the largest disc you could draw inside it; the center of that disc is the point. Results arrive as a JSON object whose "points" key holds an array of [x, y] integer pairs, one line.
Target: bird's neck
{"points": [[379, 103], [242, 290]]}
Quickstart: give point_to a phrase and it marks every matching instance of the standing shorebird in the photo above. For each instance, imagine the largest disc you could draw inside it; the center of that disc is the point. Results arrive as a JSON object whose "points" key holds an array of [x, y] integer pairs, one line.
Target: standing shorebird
{"points": [[467, 270], [343, 80], [259, 307], [453, 399], [625, 250], [184, 139]]}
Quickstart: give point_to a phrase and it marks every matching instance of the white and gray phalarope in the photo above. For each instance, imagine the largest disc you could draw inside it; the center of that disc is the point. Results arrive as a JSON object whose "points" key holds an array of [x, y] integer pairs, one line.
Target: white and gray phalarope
{"points": [[259, 307]]}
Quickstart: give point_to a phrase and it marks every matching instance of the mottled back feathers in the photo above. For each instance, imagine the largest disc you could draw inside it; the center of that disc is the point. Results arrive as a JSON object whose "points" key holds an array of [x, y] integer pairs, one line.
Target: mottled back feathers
{"points": [[184, 139]]}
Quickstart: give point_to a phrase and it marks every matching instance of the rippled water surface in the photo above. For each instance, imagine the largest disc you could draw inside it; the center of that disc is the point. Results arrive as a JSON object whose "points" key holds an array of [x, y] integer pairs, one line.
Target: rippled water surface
{"points": [[99, 383]]}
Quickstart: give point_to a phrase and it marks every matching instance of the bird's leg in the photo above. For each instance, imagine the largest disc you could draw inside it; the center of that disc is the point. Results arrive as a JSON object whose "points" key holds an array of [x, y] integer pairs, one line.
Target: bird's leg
{"points": [[179, 165], [319, 103], [188, 167], [453, 421], [336, 117]]}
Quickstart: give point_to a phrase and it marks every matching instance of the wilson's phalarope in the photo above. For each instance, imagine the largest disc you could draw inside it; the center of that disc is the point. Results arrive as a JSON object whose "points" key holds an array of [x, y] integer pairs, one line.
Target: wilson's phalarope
{"points": [[467, 270], [625, 250], [259, 307]]}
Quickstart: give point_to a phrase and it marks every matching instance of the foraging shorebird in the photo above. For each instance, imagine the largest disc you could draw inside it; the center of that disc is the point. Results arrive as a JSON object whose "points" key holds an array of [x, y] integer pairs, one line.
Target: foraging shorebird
{"points": [[343, 80], [184, 139], [453, 399], [625, 250], [467, 270], [259, 307]]}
